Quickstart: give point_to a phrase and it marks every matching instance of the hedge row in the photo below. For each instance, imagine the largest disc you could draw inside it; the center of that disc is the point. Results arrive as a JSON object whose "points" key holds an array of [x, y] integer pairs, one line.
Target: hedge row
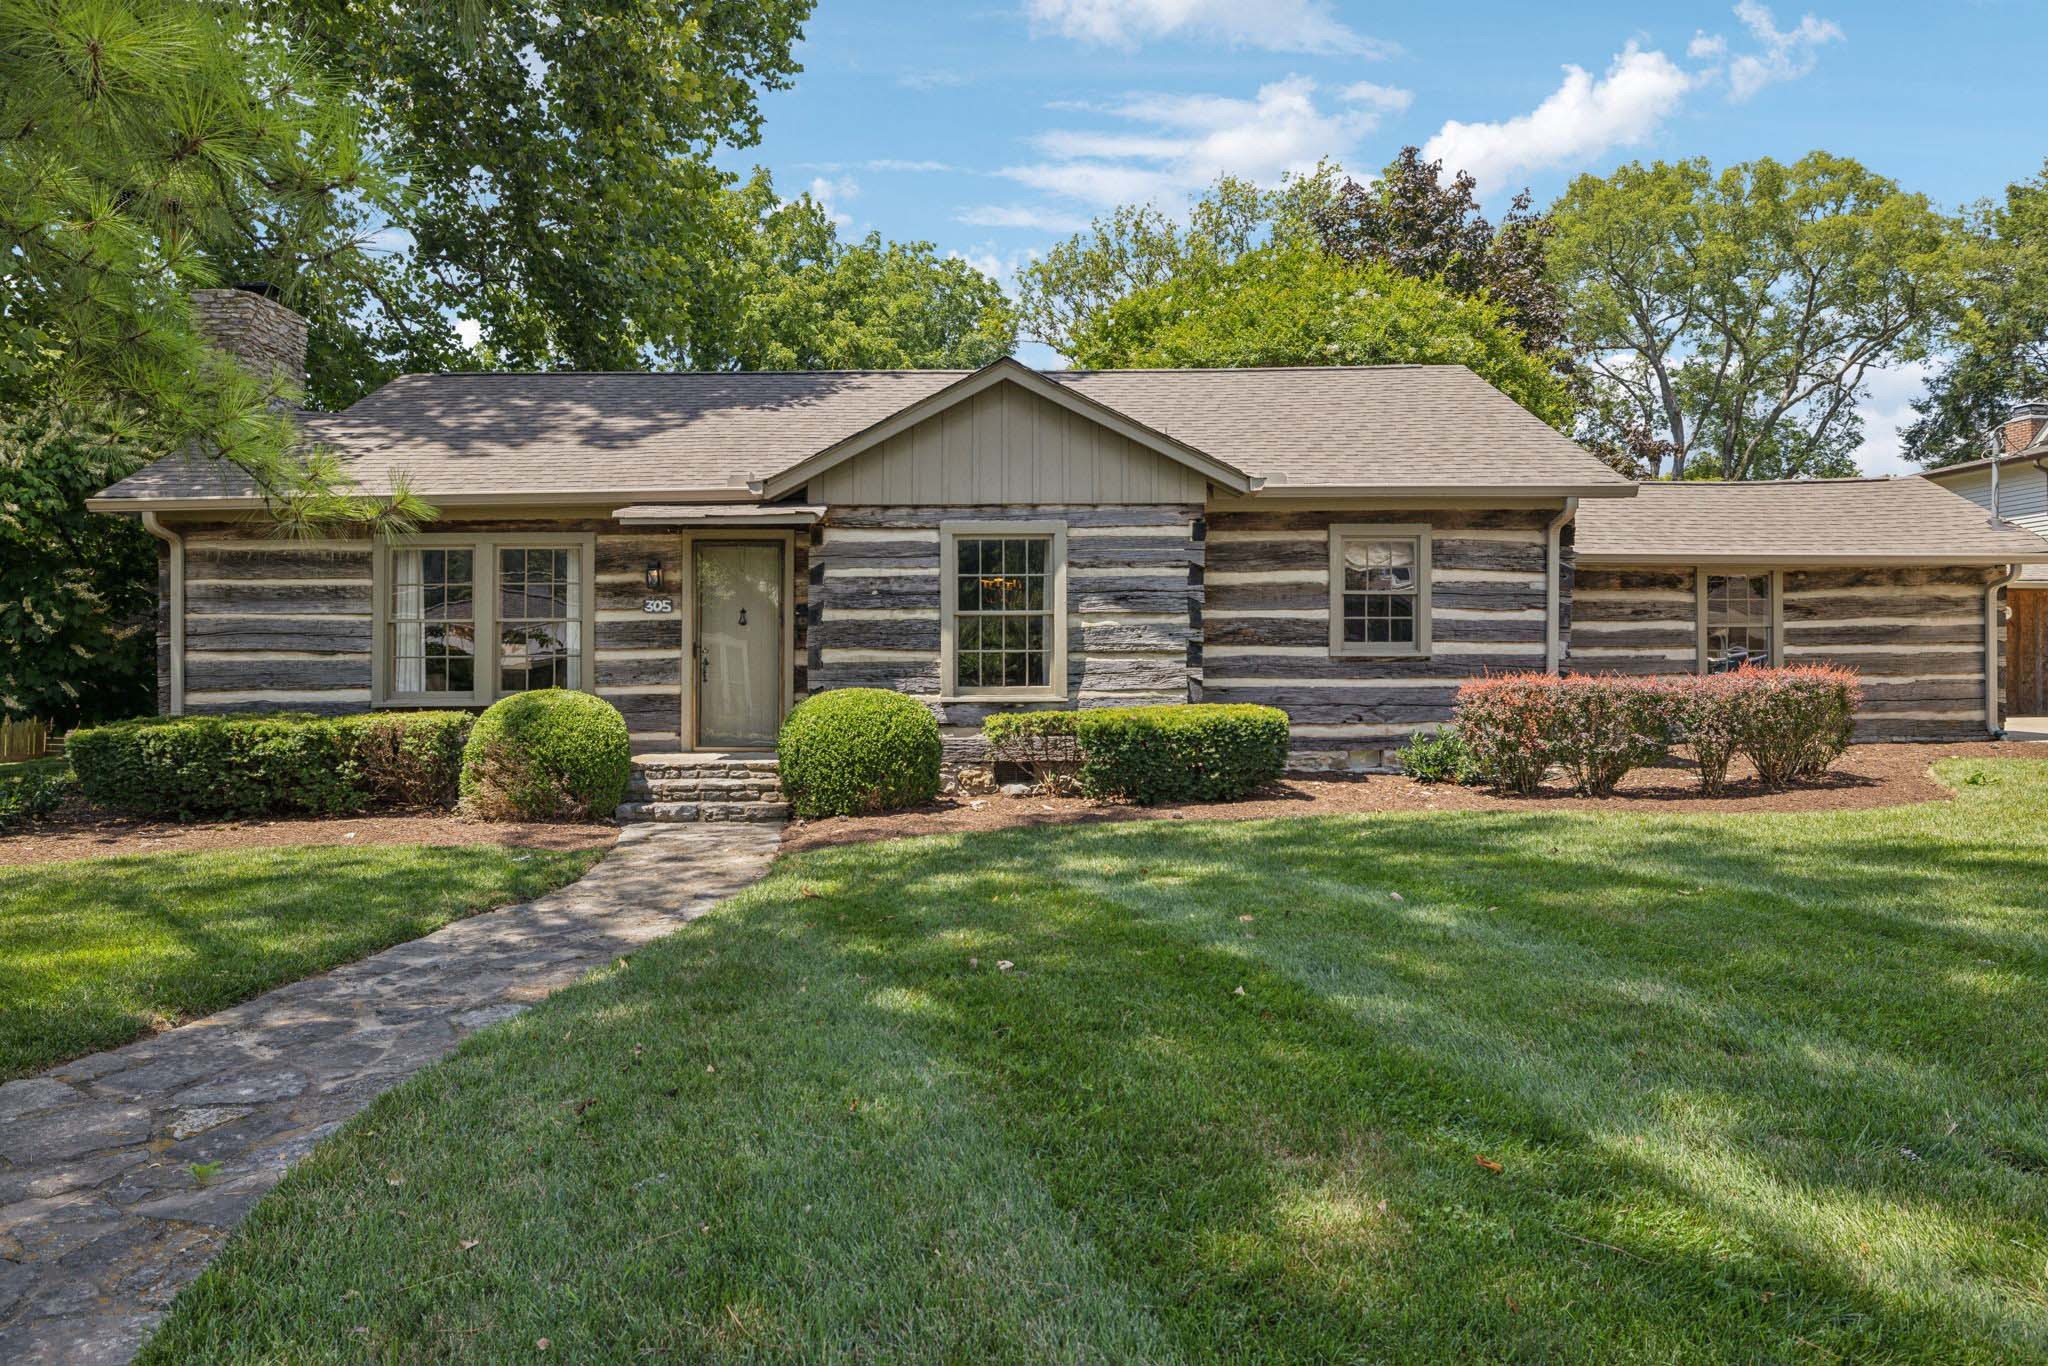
{"points": [[29, 792], [551, 754], [1196, 752], [270, 763], [1790, 724]]}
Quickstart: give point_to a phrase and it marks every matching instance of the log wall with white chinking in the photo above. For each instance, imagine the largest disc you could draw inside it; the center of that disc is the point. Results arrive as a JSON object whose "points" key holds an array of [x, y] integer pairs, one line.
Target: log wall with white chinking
{"points": [[284, 624], [275, 624], [1134, 601], [1915, 636], [1633, 621], [1266, 624]]}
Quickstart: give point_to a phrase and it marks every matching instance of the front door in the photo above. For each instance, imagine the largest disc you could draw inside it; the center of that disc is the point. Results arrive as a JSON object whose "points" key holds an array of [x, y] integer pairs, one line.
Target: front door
{"points": [[2026, 652], [739, 643]]}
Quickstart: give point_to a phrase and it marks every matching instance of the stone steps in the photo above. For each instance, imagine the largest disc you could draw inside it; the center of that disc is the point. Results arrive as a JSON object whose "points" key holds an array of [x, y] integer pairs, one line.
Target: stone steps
{"points": [[671, 813], [682, 788]]}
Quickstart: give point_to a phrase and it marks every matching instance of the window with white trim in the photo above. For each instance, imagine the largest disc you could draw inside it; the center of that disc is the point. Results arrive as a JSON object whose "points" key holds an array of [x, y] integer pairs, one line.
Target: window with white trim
{"points": [[466, 620], [1379, 590], [1003, 610], [1737, 632]]}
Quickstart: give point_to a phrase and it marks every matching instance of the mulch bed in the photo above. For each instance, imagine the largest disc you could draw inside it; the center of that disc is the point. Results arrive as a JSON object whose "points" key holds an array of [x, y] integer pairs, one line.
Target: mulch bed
{"points": [[1867, 776], [78, 832]]}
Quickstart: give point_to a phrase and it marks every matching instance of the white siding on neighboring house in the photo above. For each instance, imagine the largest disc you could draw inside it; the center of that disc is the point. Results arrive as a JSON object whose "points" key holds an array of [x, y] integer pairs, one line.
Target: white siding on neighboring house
{"points": [[2022, 500]]}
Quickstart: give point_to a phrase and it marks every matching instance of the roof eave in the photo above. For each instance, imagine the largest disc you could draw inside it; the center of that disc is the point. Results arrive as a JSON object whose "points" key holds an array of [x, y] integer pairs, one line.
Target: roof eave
{"points": [[1475, 489], [1626, 557]]}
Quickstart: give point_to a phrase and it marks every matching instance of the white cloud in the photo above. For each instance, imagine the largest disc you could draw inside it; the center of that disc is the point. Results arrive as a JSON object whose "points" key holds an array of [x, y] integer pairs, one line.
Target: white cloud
{"points": [[830, 194], [1580, 120], [1183, 142], [1705, 45], [1020, 216], [1386, 98], [1275, 25], [1000, 266], [1785, 55], [1886, 407]]}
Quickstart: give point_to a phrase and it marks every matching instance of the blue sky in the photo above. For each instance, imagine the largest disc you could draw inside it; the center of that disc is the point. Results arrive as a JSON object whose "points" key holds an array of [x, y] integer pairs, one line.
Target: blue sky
{"points": [[994, 129]]}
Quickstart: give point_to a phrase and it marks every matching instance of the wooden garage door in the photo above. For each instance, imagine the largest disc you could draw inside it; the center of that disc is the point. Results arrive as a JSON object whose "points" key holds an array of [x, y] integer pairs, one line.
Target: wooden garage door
{"points": [[2026, 652]]}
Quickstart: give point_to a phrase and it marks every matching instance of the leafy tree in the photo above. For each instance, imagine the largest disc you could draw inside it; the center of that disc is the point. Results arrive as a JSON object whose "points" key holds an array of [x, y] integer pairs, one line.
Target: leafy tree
{"points": [[1999, 354], [1412, 222], [77, 590], [1139, 246], [794, 297], [1730, 319], [558, 158], [1294, 305]]}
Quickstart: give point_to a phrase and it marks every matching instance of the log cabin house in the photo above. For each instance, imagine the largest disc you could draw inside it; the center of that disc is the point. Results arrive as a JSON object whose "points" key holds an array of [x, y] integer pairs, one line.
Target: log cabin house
{"points": [[705, 549]]}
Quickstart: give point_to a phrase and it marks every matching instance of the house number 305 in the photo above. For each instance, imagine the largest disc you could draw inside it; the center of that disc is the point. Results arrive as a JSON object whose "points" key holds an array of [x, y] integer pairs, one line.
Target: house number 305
{"points": [[657, 606]]}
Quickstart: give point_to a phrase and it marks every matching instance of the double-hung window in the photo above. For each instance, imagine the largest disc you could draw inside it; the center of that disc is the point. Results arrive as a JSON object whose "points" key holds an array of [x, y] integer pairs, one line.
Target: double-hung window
{"points": [[1379, 589], [468, 619], [1002, 592], [1736, 618]]}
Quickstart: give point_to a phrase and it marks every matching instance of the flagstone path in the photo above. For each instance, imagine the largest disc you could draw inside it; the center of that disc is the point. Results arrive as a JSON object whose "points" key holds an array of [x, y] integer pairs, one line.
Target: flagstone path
{"points": [[102, 1217]]}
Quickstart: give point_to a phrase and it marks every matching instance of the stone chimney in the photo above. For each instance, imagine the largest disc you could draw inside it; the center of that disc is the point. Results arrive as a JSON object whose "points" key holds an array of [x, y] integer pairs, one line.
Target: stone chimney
{"points": [[248, 323], [2027, 424]]}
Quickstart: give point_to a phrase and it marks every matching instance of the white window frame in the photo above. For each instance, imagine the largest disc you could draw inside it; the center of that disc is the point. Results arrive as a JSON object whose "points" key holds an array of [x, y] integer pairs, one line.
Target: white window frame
{"points": [[484, 547], [1701, 662], [1417, 532], [950, 536]]}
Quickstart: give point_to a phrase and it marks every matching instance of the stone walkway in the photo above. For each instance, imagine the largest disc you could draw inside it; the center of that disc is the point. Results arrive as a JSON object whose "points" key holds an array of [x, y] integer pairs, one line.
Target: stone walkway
{"points": [[101, 1217]]}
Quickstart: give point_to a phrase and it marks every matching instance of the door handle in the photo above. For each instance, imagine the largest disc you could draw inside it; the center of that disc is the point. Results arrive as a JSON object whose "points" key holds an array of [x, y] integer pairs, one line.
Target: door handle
{"points": [[704, 667]]}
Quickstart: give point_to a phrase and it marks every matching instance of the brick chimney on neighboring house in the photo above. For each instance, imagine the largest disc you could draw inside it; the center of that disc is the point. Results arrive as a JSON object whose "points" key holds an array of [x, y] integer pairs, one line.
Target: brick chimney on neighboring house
{"points": [[248, 323], [2025, 428]]}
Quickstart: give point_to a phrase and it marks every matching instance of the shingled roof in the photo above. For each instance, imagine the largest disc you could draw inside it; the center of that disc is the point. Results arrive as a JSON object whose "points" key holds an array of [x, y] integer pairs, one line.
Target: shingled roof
{"points": [[677, 437], [1817, 521]]}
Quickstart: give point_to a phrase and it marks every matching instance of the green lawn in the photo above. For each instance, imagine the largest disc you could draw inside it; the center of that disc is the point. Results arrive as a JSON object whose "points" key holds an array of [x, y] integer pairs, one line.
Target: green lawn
{"points": [[1520, 1085], [95, 952]]}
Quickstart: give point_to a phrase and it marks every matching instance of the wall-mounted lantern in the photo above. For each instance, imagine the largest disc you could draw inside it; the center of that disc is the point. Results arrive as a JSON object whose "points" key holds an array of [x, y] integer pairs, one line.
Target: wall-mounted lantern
{"points": [[654, 576]]}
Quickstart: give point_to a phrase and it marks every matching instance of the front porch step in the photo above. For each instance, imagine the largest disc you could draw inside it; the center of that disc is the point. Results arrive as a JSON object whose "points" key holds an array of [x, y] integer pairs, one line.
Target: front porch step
{"points": [[758, 787], [677, 788], [671, 813]]}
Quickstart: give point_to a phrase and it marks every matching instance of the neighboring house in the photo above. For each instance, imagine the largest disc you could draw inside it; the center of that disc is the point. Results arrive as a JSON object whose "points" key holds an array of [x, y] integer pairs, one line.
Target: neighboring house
{"points": [[2013, 487], [1346, 543]]}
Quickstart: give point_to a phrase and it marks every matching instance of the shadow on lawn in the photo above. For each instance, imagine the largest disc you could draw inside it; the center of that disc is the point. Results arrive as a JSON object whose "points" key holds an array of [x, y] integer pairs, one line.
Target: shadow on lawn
{"points": [[1226, 1108]]}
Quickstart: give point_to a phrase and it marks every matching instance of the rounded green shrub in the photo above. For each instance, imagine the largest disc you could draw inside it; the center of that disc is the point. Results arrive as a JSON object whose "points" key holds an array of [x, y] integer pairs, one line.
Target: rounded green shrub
{"points": [[856, 750], [546, 755]]}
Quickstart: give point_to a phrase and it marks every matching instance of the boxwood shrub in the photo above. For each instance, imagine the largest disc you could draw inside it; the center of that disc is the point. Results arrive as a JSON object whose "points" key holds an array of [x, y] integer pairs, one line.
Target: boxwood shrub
{"points": [[271, 763], [30, 791], [550, 754], [204, 767], [408, 758], [850, 751], [1195, 752]]}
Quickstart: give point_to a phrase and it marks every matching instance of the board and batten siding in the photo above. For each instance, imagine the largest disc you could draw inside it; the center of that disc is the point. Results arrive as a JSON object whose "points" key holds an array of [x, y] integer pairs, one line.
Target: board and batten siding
{"points": [[289, 624], [1266, 624], [1006, 446], [1134, 600], [1915, 636]]}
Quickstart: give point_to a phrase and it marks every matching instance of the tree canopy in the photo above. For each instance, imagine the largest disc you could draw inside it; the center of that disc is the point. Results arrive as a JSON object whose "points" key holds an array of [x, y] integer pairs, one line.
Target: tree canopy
{"points": [[1732, 318], [1999, 353], [1295, 305], [557, 163]]}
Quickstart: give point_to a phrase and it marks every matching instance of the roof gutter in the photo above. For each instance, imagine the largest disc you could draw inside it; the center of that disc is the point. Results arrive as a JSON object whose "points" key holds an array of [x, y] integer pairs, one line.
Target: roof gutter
{"points": [[1553, 584], [176, 701], [1993, 638]]}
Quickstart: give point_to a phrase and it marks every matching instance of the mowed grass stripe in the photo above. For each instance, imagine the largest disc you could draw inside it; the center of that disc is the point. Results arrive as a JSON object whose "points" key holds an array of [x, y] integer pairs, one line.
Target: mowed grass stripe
{"points": [[1757, 1088]]}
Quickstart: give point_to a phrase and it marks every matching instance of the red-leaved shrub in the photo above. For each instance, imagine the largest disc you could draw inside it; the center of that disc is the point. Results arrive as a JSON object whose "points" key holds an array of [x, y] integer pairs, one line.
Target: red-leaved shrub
{"points": [[1795, 722], [1508, 721], [1791, 723]]}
